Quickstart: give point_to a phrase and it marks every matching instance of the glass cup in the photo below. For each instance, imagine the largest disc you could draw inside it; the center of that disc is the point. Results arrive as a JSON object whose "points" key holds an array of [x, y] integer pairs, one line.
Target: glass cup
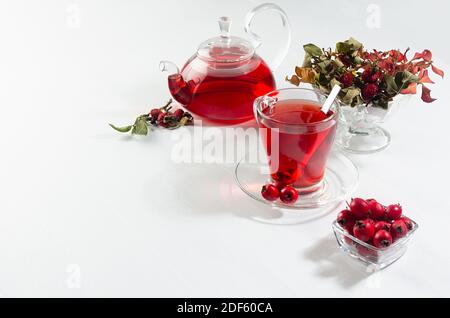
{"points": [[297, 136]]}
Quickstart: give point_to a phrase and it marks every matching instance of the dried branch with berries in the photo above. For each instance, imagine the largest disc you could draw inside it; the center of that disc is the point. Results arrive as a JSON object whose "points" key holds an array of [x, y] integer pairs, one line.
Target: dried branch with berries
{"points": [[365, 77], [158, 117]]}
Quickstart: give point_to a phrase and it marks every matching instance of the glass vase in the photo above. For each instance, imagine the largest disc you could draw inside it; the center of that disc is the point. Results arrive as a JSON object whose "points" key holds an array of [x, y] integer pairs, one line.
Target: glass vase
{"points": [[359, 131]]}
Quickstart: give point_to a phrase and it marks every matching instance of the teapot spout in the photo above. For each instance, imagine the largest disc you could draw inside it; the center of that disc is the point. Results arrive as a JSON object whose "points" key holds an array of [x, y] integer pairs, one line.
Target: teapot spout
{"points": [[178, 87], [168, 66]]}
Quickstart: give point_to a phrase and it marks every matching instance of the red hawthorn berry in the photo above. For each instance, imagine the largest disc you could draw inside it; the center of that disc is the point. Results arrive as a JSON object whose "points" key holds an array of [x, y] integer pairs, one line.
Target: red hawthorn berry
{"points": [[364, 230], [377, 210], [388, 66], [366, 74], [398, 229], [376, 76], [270, 192], [409, 224], [154, 113], [346, 79], [345, 59], [371, 75], [359, 208], [346, 220], [369, 91], [178, 114], [382, 225], [161, 122], [394, 212], [288, 195], [382, 239]]}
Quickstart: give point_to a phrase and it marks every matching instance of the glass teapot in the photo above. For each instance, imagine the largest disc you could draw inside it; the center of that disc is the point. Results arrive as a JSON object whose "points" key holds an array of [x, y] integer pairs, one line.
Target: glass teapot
{"points": [[221, 81]]}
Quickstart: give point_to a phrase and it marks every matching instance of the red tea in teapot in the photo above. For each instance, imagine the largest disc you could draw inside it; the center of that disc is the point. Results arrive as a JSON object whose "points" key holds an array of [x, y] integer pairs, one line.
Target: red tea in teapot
{"points": [[223, 78], [222, 92]]}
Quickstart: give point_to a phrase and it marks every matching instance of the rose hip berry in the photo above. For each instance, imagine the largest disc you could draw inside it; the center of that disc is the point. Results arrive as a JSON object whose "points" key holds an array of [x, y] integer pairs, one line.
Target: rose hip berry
{"points": [[382, 239], [409, 224], [359, 208], [346, 60], [371, 75], [161, 122], [346, 79], [377, 210], [364, 230], [382, 225], [394, 212], [178, 114], [369, 91], [288, 195], [154, 113], [398, 229], [346, 220], [270, 192]]}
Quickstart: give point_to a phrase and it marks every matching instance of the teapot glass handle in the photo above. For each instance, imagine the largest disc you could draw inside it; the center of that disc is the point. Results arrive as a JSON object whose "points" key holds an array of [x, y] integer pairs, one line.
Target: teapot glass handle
{"points": [[257, 39]]}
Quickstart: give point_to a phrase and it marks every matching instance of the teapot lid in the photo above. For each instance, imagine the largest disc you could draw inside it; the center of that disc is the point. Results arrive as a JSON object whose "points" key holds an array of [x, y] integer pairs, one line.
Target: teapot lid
{"points": [[226, 48]]}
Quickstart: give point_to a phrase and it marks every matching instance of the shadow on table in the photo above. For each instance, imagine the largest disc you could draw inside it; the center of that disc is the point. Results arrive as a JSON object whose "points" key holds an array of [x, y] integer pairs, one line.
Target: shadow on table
{"points": [[333, 264], [265, 213], [210, 189]]}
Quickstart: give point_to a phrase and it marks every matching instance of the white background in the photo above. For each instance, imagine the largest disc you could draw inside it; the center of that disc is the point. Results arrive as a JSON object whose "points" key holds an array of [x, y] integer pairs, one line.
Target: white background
{"points": [[85, 211]]}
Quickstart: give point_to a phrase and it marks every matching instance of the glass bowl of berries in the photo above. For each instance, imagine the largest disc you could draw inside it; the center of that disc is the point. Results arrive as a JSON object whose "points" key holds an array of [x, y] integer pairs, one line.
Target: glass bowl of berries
{"points": [[375, 234]]}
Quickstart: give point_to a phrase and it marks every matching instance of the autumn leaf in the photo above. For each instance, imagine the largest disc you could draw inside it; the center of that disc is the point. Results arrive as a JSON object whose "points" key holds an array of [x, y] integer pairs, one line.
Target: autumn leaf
{"points": [[294, 80], [312, 50], [417, 56], [426, 97], [122, 129], [411, 89], [305, 74], [424, 78], [437, 71], [426, 55]]}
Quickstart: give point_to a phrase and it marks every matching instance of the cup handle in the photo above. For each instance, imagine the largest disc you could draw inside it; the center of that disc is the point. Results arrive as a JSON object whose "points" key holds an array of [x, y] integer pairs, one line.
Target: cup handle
{"points": [[262, 103], [257, 39], [256, 103]]}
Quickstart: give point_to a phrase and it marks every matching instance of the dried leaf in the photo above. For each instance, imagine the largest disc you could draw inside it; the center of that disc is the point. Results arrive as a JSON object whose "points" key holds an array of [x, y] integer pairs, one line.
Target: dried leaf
{"points": [[392, 87], [424, 78], [426, 97], [121, 129], [417, 56], [307, 60], [350, 96], [426, 55], [295, 80], [343, 47], [355, 44], [411, 89], [140, 127], [312, 50], [437, 71]]}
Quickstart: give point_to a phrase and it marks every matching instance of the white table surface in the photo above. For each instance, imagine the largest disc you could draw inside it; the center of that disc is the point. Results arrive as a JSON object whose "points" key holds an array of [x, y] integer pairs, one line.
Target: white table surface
{"points": [[85, 211]]}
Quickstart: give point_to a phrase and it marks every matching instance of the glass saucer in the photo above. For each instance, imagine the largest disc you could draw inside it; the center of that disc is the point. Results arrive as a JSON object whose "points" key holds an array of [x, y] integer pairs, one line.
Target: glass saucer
{"points": [[340, 181]]}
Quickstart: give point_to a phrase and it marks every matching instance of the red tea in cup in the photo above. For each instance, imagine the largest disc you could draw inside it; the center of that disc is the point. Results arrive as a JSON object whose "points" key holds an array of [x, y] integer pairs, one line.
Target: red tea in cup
{"points": [[298, 139]]}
